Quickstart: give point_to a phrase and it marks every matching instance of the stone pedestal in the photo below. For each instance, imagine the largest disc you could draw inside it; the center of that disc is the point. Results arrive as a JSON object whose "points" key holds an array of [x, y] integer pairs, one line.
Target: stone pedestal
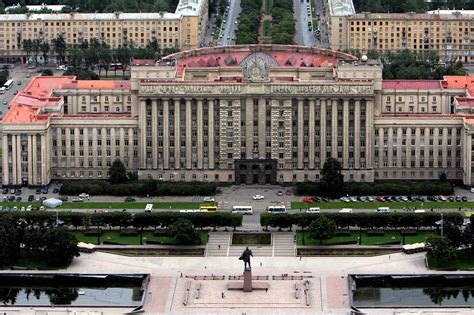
{"points": [[248, 280], [247, 285]]}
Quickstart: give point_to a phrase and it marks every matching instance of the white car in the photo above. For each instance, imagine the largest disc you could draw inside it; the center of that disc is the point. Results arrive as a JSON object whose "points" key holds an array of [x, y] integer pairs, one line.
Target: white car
{"points": [[258, 197], [209, 199], [84, 195], [344, 199], [62, 67]]}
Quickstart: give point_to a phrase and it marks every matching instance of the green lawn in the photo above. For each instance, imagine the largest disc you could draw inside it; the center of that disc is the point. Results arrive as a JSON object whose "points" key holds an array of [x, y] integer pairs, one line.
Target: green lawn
{"points": [[464, 261], [375, 205], [115, 236], [366, 240], [112, 205]]}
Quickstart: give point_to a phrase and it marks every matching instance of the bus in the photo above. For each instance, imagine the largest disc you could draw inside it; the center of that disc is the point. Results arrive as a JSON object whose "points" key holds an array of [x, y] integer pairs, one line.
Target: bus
{"points": [[116, 66], [276, 209], [242, 209], [8, 84], [208, 208]]}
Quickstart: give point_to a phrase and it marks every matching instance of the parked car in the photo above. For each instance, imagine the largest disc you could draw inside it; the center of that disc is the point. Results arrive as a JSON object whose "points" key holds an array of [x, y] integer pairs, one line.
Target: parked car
{"points": [[370, 199], [5, 191], [130, 199], [431, 198], [451, 199], [45, 190], [77, 199], [18, 192], [18, 199], [258, 197], [63, 198], [38, 191], [442, 198], [458, 198], [353, 199], [43, 198], [55, 190], [464, 198], [84, 195], [209, 199], [12, 191], [11, 198], [308, 200], [324, 199], [344, 199], [361, 198], [31, 198], [279, 193], [380, 198], [316, 199]]}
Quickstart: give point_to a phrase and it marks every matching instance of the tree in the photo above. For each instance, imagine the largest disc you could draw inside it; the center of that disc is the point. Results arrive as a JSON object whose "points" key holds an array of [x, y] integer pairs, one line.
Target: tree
{"points": [[36, 47], [59, 47], [332, 180], [60, 246], [47, 72], [440, 250], [183, 232], [75, 57], [443, 176], [105, 58], [322, 228], [44, 47], [123, 55], [468, 234], [453, 233], [117, 172], [27, 45], [9, 241]]}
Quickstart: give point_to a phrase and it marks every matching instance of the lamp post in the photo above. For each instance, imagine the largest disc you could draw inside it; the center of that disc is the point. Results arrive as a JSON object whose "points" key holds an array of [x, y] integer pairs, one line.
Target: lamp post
{"points": [[442, 224]]}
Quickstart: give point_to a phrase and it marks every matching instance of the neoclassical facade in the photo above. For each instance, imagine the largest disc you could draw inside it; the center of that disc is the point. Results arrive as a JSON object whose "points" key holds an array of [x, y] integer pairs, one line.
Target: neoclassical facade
{"points": [[244, 115]]}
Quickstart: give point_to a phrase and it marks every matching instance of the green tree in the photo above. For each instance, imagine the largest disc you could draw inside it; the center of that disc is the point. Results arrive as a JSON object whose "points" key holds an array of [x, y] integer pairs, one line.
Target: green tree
{"points": [[322, 228], [44, 47], [453, 233], [47, 72], [27, 45], [4, 74], [75, 57], [59, 47], [183, 232], [440, 250], [332, 180], [60, 246], [117, 172], [443, 176], [9, 241], [468, 234], [105, 58], [36, 48]]}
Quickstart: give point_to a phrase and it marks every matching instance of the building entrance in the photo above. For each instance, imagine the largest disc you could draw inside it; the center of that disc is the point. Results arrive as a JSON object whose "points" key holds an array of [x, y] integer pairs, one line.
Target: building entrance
{"points": [[254, 171]]}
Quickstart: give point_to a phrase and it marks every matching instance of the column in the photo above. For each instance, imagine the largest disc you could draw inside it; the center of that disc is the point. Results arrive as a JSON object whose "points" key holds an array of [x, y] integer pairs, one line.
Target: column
{"points": [[426, 157], [130, 149], [188, 134], [43, 159], [154, 134], [323, 133], [399, 148], [6, 171], [177, 143], [249, 127], [142, 133], [94, 147], [18, 159], [68, 147], [368, 134], [262, 133], [210, 112], [445, 147], [311, 134], [113, 147], [59, 142], [30, 160], [417, 147], [166, 134], [468, 165], [435, 147], [104, 148], [122, 145], [14, 157], [454, 147], [390, 148], [409, 147], [381, 148], [357, 134], [200, 137], [34, 155], [300, 133], [345, 134], [334, 145], [76, 148]]}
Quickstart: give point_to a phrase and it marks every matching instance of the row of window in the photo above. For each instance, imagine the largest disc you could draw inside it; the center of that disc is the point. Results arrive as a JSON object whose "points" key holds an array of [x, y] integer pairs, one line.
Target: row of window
{"points": [[421, 129]]}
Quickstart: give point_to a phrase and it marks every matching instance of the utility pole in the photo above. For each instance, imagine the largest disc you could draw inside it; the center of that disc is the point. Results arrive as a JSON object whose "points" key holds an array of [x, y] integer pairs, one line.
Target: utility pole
{"points": [[442, 224]]}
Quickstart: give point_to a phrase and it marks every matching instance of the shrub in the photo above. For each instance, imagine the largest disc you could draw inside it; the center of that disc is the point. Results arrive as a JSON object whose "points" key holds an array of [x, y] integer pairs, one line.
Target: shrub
{"points": [[409, 233], [375, 233], [94, 232], [389, 243], [154, 242], [346, 243], [342, 233]]}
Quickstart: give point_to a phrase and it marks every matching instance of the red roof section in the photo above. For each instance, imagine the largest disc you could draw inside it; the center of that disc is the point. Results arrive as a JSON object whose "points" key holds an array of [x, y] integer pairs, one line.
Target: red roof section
{"points": [[143, 62], [459, 82], [98, 84], [411, 84], [465, 101]]}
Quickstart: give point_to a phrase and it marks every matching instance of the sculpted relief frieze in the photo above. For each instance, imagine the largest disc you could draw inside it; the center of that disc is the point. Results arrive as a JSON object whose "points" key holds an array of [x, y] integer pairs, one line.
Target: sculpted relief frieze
{"points": [[272, 89]]}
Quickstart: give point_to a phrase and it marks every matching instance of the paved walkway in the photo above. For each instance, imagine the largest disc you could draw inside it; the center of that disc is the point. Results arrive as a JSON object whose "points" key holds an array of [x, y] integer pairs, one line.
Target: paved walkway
{"points": [[219, 245]]}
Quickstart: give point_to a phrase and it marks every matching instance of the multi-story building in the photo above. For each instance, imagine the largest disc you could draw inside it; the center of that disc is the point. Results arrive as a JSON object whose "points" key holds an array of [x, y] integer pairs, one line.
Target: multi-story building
{"points": [[337, 12], [242, 114], [182, 29]]}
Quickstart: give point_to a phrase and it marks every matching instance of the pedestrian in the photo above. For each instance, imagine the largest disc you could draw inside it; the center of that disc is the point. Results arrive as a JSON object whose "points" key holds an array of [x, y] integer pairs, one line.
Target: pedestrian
{"points": [[219, 246], [181, 274], [205, 267], [260, 264], [389, 257], [301, 257]]}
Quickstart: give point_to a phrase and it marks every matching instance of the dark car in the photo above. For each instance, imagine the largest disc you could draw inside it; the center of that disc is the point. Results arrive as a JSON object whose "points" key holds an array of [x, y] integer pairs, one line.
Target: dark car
{"points": [[5, 191], [38, 191], [55, 190], [451, 199], [458, 198], [464, 198], [412, 198], [130, 199], [11, 198], [431, 198], [325, 199], [45, 190], [315, 199], [18, 192], [31, 198], [43, 199], [18, 199], [63, 198]]}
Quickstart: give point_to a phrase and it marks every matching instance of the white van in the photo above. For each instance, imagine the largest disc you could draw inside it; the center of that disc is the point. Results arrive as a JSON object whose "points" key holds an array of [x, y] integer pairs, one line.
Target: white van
{"points": [[345, 210], [420, 211], [2, 90], [383, 209], [313, 210], [149, 207]]}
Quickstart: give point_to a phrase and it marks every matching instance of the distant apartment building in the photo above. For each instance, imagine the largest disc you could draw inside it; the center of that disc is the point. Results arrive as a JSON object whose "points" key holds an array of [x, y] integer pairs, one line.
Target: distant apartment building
{"points": [[182, 29], [338, 12]]}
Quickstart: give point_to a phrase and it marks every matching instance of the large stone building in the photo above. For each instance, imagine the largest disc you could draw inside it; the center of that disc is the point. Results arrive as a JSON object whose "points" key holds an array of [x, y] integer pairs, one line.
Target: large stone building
{"points": [[253, 114], [183, 28]]}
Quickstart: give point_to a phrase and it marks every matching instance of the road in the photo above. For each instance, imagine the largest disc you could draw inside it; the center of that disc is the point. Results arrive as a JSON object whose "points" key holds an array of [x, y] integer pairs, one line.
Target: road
{"points": [[304, 34], [322, 14], [230, 26]]}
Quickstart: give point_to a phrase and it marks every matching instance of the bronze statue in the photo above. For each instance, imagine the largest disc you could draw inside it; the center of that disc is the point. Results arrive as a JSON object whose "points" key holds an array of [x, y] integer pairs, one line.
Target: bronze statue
{"points": [[246, 257]]}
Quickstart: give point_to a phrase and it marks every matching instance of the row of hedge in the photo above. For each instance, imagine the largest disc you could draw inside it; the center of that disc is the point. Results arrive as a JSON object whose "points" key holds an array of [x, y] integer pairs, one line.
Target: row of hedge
{"points": [[371, 189], [362, 220], [139, 188], [126, 219], [249, 21]]}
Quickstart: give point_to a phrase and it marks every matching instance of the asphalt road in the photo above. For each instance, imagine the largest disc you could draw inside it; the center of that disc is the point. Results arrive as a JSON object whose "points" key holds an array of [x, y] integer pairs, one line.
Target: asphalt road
{"points": [[322, 13], [230, 26], [304, 34]]}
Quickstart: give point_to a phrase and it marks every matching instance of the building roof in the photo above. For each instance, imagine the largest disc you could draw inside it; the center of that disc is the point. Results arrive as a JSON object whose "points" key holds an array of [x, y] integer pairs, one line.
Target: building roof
{"points": [[189, 7], [37, 103], [143, 62], [89, 16], [54, 7], [465, 101], [452, 12], [408, 16], [411, 84], [341, 7], [459, 82]]}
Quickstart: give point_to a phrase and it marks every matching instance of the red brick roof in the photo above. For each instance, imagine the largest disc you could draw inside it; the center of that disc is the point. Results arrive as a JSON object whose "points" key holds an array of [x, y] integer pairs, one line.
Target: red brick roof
{"points": [[412, 84]]}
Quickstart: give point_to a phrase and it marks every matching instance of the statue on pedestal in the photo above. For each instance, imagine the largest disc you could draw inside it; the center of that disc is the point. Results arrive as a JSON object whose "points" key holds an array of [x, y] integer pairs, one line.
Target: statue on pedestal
{"points": [[246, 257]]}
